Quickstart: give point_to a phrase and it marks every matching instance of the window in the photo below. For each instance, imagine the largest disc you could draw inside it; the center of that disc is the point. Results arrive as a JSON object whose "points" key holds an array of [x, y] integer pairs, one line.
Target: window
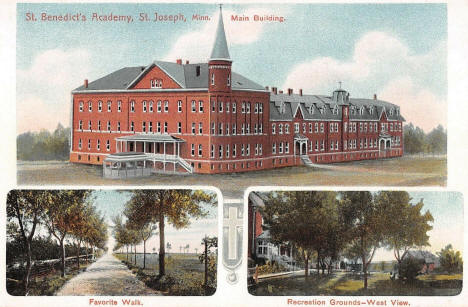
{"points": [[193, 150], [99, 106], [281, 147], [260, 107], [311, 128], [247, 130], [200, 150], [179, 106], [229, 80], [345, 144], [108, 145], [243, 107], [316, 146], [220, 151], [200, 106], [143, 126], [233, 107], [296, 127], [220, 106], [273, 148], [200, 128], [165, 127], [80, 125], [151, 106], [212, 151], [345, 127], [336, 127], [89, 144], [119, 106], [99, 125], [331, 127], [213, 105], [193, 128], [212, 79], [81, 106], [109, 106], [321, 127], [370, 127], [260, 128], [255, 129], [159, 106], [337, 144], [248, 107], [132, 106], [118, 126], [247, 150], [79, 144], [286, 147], [286, 128], [179, 127], [108, 125], [256, 108], [144, 105], [90, 106], [220, 129], [156, 83], [227, 128], [166, 106], [316, 128], [89, 126], [322, 145], [242, 150], [132, 126], [158, 127], [194, 106], [360, 127], [98, 145], [234, 129], [227, 151], [234, 150], [280, 129], [227, 107]]}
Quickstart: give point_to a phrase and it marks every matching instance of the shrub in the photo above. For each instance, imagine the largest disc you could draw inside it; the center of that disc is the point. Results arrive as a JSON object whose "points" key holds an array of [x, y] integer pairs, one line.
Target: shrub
{"points": [[450, 260], [410, 268]]}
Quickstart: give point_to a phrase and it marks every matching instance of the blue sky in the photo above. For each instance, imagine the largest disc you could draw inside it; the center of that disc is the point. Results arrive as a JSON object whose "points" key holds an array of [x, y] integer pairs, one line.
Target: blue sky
{"points": [[395, 50], [111, 203]]}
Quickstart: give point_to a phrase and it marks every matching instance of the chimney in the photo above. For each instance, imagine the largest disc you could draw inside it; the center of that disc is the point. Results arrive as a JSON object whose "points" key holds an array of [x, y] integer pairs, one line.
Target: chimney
{"points": [[179, 61], [375, 96], [290, 91], [267, 88], [86, 83], [274, 90], [300, 91], [187, 62], [281, 92]]}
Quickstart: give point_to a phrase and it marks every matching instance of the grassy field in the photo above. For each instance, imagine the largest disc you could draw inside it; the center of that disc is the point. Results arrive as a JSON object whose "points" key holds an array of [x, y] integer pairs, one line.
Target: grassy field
{"points": [[405, 171], [184, 273], [340, 283]]}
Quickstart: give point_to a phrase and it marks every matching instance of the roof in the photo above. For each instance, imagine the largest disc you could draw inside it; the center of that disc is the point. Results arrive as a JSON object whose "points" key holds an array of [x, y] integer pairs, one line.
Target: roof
{"points": [[220, 49], [183, 74], [319, 107], [165, 138], [427, 256], [126, 157], [256, 200]]}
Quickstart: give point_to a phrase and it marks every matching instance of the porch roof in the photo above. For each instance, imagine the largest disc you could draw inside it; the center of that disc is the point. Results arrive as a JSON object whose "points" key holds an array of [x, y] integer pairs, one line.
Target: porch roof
{"points": [[126, 157], [158, 138]]}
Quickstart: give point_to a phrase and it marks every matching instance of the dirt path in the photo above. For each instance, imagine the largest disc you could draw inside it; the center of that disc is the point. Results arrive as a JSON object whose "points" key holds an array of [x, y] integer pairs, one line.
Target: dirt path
{"points": [[107, 276]]}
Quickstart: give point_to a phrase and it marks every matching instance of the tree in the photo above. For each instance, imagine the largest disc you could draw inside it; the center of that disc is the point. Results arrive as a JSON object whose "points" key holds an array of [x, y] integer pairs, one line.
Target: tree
{"points": [[168, 247], [209, 259], [316, 223], [173, 206], [187, 247], [63, 213], [437, 140], [405, 225], [366, 232], [27, 209], [450, 260]]}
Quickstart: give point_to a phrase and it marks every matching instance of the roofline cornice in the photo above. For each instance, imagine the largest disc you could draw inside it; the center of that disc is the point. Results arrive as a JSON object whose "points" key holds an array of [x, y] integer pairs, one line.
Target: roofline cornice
{"points": [[142, 90]]}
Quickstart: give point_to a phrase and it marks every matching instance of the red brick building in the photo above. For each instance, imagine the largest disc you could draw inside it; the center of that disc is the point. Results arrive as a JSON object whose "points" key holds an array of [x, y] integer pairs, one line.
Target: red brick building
{"points": [[205, 118]]}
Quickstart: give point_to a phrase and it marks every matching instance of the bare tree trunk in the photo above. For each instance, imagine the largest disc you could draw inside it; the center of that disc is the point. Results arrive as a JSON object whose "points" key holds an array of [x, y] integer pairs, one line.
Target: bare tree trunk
{"points": [[162, 268], [206, 264], [28, 266], [134, 253], [62, 256], [127, 253], [306, 262], [78, 255], [144, 254]]}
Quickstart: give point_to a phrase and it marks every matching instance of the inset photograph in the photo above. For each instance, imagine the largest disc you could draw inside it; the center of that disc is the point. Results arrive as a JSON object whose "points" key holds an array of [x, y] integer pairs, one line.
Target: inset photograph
{"points": [[349, 243], [111, 242]]}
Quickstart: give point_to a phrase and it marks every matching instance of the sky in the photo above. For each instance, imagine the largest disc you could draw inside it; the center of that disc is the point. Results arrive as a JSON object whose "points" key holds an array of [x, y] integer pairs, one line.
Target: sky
{"points": [[397, 51], [111, 203]]}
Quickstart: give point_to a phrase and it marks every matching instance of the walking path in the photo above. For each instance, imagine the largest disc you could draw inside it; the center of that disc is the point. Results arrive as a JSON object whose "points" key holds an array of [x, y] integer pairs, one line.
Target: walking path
{"points": [[107, 276]]}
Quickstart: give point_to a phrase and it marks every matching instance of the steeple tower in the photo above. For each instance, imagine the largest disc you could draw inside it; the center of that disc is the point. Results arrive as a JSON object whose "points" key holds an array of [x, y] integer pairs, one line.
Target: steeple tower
{"points": [[219, 64]]}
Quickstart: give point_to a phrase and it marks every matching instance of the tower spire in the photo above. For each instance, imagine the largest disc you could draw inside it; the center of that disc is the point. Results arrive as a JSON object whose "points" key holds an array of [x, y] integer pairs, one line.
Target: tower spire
{"points": [[220, 49]]}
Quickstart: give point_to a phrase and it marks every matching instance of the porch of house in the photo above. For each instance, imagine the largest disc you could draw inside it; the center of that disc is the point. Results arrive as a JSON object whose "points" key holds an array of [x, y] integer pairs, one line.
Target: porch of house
{"points": [[141, 155]]}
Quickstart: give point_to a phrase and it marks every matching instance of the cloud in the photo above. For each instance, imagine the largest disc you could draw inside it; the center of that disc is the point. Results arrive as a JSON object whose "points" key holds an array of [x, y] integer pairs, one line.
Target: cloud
{"points": [[383, 64], [43, 89], [196, 45]]}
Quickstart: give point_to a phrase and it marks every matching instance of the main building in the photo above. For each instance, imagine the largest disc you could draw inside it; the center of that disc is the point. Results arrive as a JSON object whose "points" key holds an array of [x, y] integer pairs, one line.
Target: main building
{"points": [[205, 118]]}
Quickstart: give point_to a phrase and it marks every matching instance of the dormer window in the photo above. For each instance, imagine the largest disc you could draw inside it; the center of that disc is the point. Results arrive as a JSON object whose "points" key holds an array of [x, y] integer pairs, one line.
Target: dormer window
{"points": [[361, 110], [322, 110], [391, 111], [335, 110], [371, 110], [156, 83]]}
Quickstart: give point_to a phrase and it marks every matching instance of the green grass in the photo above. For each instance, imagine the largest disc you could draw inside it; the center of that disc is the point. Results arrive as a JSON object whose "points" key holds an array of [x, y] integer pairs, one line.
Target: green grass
{"points": [[353, 284], [184, 274]]}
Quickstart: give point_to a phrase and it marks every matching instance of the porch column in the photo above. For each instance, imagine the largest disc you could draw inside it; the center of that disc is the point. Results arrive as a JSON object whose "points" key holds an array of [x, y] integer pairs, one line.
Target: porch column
{"points": [[144, 146], [173, 149], [134, 148], [178, 149]]}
